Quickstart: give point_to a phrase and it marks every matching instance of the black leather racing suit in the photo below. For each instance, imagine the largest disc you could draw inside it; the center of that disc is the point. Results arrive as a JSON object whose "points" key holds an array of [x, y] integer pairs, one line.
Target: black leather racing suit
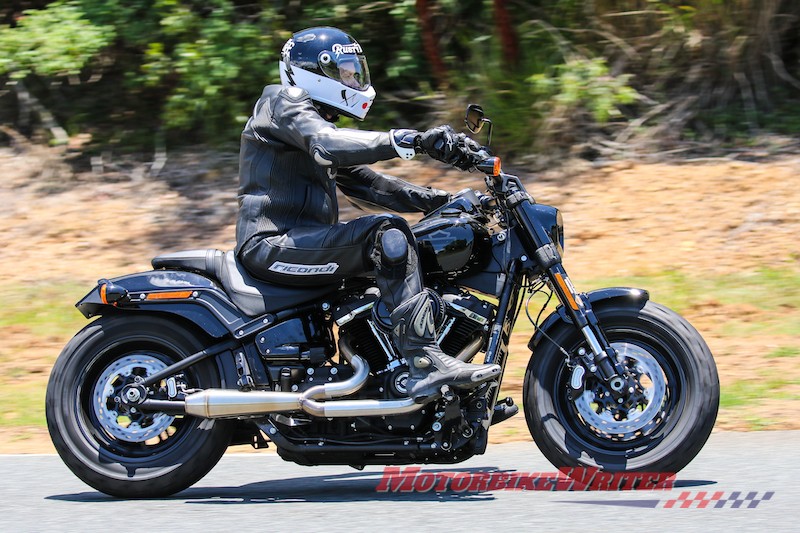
{"points": [[291, 162]]}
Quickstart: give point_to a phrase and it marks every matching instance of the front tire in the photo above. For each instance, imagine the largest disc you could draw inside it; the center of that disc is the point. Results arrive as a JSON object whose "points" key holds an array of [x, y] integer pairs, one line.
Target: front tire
{"points": [[121, 453], [660, 431]]}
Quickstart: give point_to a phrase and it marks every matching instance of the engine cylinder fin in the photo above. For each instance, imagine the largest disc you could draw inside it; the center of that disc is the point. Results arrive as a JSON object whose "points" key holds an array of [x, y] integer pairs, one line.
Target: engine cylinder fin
{"points": [[366, 345], [463, 332]]}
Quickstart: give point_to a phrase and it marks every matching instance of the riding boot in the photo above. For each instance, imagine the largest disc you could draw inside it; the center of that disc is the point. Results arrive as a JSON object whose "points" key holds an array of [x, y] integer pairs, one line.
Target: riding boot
{"points": [[429, 367], [412, 322]]}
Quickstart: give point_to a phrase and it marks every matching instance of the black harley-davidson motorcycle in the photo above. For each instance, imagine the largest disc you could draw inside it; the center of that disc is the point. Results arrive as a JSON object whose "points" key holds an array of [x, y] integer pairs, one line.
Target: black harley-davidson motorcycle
{"points": [[196, 355]]}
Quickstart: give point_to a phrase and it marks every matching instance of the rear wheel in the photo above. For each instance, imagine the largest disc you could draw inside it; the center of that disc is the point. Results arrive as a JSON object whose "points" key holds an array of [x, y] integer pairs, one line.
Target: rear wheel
{"points": [[121, 451], [660, 427]]}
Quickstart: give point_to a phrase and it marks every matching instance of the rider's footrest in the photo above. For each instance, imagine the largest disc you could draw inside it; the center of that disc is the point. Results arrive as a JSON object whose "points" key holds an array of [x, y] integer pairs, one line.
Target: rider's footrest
{"points": [[504, 411]]}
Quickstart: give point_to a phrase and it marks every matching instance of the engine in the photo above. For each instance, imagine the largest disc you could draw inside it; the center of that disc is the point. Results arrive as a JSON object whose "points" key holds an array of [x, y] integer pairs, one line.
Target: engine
{"points": [[462, 326]]}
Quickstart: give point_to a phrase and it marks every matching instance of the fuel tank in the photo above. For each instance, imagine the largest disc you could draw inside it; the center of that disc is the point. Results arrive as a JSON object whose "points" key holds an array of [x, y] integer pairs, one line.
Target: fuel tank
{"points": [[453, 243]]}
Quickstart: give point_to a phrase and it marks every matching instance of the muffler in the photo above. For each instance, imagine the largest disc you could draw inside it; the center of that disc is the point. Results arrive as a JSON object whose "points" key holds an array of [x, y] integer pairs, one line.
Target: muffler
{"points": [[224, 403]]}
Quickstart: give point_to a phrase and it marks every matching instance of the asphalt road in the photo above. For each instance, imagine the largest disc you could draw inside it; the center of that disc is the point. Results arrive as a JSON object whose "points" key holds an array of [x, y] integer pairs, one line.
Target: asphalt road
{"points": [[261, 492]]}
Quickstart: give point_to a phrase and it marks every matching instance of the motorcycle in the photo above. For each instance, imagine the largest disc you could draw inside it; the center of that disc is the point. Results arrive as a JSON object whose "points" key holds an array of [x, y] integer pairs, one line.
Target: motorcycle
{"points": [[197, 355]]}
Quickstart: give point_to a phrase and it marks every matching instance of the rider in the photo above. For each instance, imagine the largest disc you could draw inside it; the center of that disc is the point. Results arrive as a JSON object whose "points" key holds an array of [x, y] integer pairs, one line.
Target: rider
{"points": [[292, 159]]}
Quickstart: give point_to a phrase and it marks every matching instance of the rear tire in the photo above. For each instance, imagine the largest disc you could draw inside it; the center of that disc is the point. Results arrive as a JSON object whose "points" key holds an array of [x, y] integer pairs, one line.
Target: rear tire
{"points": [[670, 425], [126, 454]]}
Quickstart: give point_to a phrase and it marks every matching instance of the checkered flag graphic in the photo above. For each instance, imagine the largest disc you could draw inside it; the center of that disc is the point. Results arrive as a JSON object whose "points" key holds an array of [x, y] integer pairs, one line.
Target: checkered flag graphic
{"points": [[717, 500]]}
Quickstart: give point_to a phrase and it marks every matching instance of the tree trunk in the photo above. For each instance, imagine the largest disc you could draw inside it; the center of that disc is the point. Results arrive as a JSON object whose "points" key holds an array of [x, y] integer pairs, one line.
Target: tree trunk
{"points": [[508, 37], [430, 43]]}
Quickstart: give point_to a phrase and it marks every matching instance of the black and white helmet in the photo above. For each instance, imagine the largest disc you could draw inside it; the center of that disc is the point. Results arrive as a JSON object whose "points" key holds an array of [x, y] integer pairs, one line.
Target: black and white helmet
{"points": [[331, 67]]}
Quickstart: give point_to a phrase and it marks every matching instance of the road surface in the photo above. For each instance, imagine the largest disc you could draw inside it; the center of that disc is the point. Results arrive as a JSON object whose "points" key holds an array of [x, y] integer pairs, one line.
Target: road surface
{"points": [[749, 482]]}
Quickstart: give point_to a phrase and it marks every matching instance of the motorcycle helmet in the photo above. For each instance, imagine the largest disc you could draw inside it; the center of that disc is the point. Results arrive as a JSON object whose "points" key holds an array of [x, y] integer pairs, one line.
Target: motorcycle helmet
{"points": [[331, 67]]}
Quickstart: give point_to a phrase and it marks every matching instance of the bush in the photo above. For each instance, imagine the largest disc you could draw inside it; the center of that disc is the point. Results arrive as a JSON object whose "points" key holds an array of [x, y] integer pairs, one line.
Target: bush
{"points": [[550, 74], [56, 42]]}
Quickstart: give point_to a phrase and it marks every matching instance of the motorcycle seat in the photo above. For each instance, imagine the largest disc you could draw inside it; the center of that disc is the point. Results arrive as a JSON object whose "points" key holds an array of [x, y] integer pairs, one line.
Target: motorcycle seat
{"points": [[252, 296]]}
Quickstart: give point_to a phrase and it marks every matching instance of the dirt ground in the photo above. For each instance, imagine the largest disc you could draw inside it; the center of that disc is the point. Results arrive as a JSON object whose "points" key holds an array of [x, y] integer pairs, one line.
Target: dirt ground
{"points": [[74, 223]]}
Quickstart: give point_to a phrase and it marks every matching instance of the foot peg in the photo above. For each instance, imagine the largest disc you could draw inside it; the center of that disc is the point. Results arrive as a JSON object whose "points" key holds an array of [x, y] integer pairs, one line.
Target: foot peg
{"points": [[504, 411], [488, 373], [445, 393]]}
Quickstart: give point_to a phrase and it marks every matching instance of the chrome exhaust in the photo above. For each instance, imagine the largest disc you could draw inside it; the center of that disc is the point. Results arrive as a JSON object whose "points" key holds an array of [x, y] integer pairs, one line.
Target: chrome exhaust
{"points": [[470, 350], [224, 403]]}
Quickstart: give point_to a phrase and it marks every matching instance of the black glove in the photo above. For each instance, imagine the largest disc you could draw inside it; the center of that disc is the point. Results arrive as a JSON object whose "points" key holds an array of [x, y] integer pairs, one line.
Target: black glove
{"points": [[471, 145], [442, 144], [467, 148]]}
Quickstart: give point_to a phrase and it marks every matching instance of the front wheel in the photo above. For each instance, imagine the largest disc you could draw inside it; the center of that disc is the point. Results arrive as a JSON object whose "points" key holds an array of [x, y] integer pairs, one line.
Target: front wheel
{"points": [[120, 451], [660, 427]]}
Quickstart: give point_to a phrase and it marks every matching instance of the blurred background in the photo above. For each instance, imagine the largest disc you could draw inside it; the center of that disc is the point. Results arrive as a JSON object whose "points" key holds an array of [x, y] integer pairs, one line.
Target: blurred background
{"points": [[667, 132], [126, 74]]}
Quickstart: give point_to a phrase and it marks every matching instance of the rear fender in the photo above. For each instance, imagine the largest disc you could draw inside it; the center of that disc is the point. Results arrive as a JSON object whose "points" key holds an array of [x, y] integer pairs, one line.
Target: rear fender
{"points": [[191, 296], [596, 299]]}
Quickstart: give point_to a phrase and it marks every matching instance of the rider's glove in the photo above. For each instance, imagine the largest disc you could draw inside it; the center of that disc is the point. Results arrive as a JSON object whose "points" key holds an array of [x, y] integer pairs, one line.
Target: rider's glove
{"points": [[470, 144], [467, 148], [442, 144]]}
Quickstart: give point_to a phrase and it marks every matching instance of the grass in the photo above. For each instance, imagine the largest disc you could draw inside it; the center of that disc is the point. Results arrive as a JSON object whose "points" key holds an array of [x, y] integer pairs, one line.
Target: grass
{"points": [[784, 351], [22, 404], [766, 289], [769, 300], [757, 423], [45, 310], [36, 321], [759, 303], [746, 392]]}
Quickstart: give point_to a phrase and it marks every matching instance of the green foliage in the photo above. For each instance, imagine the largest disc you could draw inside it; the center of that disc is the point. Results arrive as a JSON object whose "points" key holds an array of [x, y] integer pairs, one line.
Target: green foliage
{"points": [[209, 70], [724, 67], [54, 42], [554, 98], [584, 83], [405, 64], [191, 70], [188, 67], [506, 98]]}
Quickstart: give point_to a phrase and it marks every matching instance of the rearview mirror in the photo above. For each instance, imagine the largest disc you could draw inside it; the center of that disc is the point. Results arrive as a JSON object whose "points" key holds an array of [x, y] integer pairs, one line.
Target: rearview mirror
{"points": [[474, 118]]}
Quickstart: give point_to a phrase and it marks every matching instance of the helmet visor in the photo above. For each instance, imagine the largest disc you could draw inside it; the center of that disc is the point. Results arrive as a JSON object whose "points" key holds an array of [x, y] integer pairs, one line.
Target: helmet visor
{"points": [[348, 69]]}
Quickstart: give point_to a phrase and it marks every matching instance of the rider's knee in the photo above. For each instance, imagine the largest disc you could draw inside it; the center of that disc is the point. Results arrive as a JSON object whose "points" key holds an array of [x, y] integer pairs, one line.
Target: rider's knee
{"points": [[394, 247]]}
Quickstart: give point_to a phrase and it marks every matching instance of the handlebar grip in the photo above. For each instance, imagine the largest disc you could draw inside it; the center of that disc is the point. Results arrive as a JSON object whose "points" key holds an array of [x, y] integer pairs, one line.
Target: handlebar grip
{"points": [[476, 156]]}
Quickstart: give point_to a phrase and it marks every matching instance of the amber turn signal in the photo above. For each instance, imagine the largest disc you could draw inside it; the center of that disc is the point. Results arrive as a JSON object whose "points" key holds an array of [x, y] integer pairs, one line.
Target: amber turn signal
{"points": [[490, 166], [172, 295], [111, 294]]}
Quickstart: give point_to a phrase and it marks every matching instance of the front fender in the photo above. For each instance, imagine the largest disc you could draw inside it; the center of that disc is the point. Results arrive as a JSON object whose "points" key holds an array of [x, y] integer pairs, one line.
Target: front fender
{"points": [[185, 294], [595, 299]]}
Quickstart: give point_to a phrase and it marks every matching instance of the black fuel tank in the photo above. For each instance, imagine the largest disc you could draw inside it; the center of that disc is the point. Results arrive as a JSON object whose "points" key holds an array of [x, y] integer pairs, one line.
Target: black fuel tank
{"points": [[452, 243]]}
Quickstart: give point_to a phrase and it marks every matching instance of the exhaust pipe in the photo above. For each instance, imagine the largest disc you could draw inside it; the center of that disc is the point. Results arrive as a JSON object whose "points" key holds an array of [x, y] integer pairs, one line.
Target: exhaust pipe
{"points": [[470, 350], [224, 403]]}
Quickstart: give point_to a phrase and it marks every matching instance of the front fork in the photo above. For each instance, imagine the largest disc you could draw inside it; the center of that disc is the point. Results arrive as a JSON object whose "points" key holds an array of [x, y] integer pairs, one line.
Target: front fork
{"points": [[601, 359]]}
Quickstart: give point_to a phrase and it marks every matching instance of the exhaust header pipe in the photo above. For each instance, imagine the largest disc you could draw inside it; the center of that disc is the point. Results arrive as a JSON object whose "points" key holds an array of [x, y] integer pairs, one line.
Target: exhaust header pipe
{"points": [[224, 403]]}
